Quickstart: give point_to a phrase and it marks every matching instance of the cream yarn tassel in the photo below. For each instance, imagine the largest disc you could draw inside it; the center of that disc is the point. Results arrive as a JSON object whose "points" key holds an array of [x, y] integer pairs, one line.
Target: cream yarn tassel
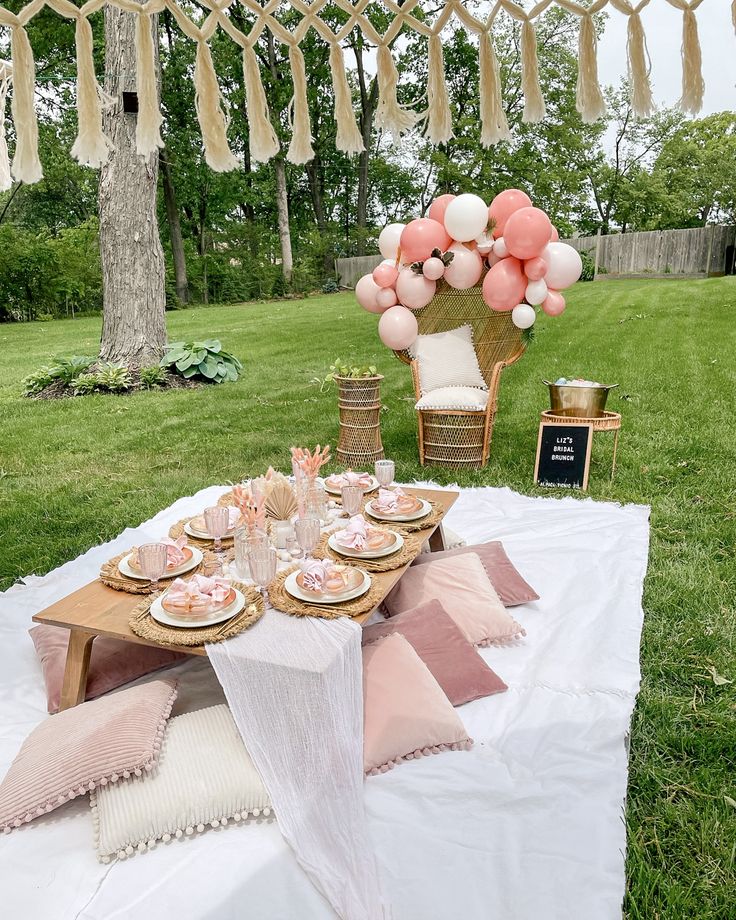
{"points": [[349, 138], [494, 126], [391, 117], [534, 108], [733, 14], [148, 123], [589, 98], [91, 147], [641, 90], [439, 126], [262, 138], [26, 164], [300, 148], [211, 112], [6, 180], [693, 85]]}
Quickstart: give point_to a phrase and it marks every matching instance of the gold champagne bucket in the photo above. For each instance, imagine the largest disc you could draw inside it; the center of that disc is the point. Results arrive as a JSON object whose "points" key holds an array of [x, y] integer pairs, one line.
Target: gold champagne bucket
{"points": [[577, 401]]}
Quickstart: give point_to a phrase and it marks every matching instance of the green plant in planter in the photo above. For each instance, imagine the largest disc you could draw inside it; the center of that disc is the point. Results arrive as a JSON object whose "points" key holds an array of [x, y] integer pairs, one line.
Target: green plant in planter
{"points": [[113, 377], [352, 371], [85, 384], [204, 359], [153, 376]]}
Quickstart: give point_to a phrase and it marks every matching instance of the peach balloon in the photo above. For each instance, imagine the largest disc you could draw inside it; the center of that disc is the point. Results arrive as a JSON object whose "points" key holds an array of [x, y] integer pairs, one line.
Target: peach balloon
{"points": [[420, 237], [398, 328], [386, 298], [535, 269], [414, 291], [433, 269], [555, 235], [438, 207], [493, 258], [366, 291], [385, 275], [504, 205], [465, 269], [554, 304], [505, 285], [527, 233]]}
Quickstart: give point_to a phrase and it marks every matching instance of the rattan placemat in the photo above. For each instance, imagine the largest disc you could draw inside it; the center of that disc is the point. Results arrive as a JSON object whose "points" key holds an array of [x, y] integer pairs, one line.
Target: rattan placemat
{"points": [[404, 556], [143, 624], [431, 520], [282, 600], [111, 576], [176, 530]]}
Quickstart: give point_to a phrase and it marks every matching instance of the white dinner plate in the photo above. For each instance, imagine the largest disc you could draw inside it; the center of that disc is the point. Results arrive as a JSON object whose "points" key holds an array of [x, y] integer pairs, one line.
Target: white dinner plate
{"points": [[161, 616], [371, 488], [203, 535], [366, 553], [400, 518], [125, 569], [294, 590]]}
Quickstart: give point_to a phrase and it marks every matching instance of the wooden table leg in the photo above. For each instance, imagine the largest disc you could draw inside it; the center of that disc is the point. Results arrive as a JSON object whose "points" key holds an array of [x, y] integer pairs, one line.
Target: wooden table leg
{"points": [[77, 664], [615, 446], [437, 540]]}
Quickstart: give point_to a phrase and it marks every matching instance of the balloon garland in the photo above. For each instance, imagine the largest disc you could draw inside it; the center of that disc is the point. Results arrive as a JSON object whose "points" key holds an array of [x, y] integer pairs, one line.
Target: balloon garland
{"points": [[527, 265]]}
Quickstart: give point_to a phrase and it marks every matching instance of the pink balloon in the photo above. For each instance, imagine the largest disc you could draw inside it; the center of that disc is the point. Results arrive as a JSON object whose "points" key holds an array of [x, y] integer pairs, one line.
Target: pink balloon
{"points": [[505, 285], [366, 291], [385, 275], [398, 328], [386, 298], [564, 265], [433, 269], [535, 269], [438, 207], [493, 258], [555, 235], [420, 237], [527, 232], [504, 205], [554, 304], [414, 291], [465, 269]]}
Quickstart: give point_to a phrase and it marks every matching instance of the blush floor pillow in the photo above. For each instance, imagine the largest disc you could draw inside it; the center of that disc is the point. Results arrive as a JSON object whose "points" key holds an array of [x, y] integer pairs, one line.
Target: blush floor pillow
{"points": [[451, 659], [92, 744], [113, 662], [505, 578], [204, 778], [462, 586], [405, 712]]}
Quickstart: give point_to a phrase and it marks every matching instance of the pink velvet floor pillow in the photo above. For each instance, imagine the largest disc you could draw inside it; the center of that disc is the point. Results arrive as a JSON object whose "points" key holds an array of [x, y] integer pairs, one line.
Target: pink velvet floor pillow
{"points": [[113, 662], [453, 662], [511, 588], [462, 586], [92, 744], [406, 713]]}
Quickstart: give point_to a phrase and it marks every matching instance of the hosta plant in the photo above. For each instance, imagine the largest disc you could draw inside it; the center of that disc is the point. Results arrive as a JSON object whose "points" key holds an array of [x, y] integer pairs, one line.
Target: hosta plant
{"points": [[85, 384], [37, 381], [113, 377], [153, 376], [68, 369], [202, 359]]}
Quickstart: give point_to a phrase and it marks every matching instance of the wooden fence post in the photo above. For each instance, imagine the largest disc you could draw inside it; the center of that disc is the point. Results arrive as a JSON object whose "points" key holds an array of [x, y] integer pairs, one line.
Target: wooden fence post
{"points": [[597, 253]]}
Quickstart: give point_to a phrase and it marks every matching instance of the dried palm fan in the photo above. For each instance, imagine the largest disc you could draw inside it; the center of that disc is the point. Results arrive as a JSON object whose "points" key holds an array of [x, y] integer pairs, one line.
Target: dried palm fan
{"points": [[281, 502]]}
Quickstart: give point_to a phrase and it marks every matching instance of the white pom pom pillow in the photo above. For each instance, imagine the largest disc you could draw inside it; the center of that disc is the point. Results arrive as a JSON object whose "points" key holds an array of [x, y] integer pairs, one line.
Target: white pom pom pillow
{"points": [[447, 359]]}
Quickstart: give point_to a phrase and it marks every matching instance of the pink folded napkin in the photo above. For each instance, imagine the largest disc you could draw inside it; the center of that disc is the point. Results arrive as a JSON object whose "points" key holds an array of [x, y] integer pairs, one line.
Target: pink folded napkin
{"points": [[349, 478], [355, 533], [315, 572], [388, 501], [197, 591], [174, 554]]}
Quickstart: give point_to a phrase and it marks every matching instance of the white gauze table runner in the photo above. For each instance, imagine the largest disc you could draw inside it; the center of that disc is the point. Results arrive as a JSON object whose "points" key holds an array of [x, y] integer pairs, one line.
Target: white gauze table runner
{"points": [[295, 688]]}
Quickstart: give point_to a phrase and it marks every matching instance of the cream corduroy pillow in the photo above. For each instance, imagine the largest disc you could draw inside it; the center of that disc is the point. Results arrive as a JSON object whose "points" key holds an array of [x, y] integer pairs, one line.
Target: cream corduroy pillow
{"points": [[447, 359]]}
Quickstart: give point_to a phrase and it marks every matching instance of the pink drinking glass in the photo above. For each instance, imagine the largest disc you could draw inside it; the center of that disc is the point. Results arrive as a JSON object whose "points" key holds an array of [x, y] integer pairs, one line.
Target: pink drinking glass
{"points": [[216, 522], [307, 533], [263, 562], [352, 499], [152, 559]]}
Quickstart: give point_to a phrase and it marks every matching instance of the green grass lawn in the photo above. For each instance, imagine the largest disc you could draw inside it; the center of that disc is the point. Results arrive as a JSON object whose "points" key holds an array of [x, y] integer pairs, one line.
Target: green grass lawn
{"points": [[76, 472]]}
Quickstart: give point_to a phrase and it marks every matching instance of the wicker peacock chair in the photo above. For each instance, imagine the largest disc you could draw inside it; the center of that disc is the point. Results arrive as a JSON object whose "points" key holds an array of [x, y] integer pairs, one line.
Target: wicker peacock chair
{"points": [[454, 437]]}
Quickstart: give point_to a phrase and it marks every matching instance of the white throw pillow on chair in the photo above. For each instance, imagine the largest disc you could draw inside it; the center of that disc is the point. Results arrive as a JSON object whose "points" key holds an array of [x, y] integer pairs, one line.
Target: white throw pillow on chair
{"points": [[447, 359], [470, 399]]}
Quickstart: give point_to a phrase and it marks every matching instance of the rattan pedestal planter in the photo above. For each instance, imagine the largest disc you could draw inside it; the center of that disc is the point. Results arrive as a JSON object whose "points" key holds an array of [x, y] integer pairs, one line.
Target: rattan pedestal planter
{"points": [[359, 401]]}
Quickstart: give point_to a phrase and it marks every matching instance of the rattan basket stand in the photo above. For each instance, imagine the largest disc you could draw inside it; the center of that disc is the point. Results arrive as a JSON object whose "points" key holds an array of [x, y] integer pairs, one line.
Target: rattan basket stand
{"points": [[359, 402]]}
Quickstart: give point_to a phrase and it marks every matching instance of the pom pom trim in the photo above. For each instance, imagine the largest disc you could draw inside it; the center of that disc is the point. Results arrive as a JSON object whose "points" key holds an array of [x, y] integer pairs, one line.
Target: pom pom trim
{"points": [[465, 745]]}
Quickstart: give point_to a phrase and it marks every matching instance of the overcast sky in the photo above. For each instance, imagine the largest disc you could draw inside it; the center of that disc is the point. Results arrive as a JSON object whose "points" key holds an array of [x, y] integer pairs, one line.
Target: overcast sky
{"points": [[663, 28]]}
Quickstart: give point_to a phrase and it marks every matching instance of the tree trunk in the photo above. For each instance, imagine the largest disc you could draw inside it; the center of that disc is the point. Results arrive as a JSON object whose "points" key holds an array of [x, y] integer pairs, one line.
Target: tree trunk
{"points": [[368, 103], [177, 241], [282, 196], [133, 273]]}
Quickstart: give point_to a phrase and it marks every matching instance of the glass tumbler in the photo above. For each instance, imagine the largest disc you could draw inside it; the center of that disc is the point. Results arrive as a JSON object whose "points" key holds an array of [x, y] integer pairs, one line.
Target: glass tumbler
{"points": [[152, 558], [385, 471], [216, 521], [307, 533], [352, 499], [263, 562]]}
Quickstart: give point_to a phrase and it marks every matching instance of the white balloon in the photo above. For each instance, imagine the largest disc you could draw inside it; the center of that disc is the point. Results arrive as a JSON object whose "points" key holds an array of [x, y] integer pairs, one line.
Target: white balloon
{"points": [[564, 265], [500, 249], [466, 217], [388, 241], [523, 316], [484, 242], [536, 292]]}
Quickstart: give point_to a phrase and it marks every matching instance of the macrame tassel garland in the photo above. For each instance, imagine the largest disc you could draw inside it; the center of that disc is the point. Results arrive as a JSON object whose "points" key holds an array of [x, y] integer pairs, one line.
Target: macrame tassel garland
{"points": [[494, 126], [91, 147], [349, 139], [300, 148], [148, 123], [26, 164], [589, 98], [439, 116], [534, 108], [262, 139], [6, 180], [391, 117], [641, 90], [693, 85], [211, 112]]}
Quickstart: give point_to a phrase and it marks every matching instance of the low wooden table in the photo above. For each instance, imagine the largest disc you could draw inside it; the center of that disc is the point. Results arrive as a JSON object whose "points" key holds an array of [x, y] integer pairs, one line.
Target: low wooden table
{"points": [[96, 610]]}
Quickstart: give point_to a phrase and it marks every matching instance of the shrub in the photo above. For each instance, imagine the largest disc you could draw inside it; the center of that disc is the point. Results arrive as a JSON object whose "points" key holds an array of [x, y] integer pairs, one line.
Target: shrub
{"points": [[85, 384], [154, 376], [204, 359], [330, 286], [588, 267]]}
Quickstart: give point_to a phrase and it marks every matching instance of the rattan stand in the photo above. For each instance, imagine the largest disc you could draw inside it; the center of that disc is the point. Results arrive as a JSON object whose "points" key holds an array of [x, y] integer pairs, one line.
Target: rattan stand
{"points": [[359, 401], [609, 421]]}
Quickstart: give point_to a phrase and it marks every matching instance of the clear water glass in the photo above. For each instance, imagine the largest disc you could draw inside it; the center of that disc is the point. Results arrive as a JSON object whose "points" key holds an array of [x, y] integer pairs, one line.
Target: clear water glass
{"points": [[216, 522], [352, 499], [316, 501], [307, 533], [385, 471], [263, 562], [243, 543], [152, 559]]}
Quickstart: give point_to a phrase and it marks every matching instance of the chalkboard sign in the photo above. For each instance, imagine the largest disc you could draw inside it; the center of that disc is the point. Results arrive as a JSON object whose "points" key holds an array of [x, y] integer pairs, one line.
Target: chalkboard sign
{"points": [[563, 455]]}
